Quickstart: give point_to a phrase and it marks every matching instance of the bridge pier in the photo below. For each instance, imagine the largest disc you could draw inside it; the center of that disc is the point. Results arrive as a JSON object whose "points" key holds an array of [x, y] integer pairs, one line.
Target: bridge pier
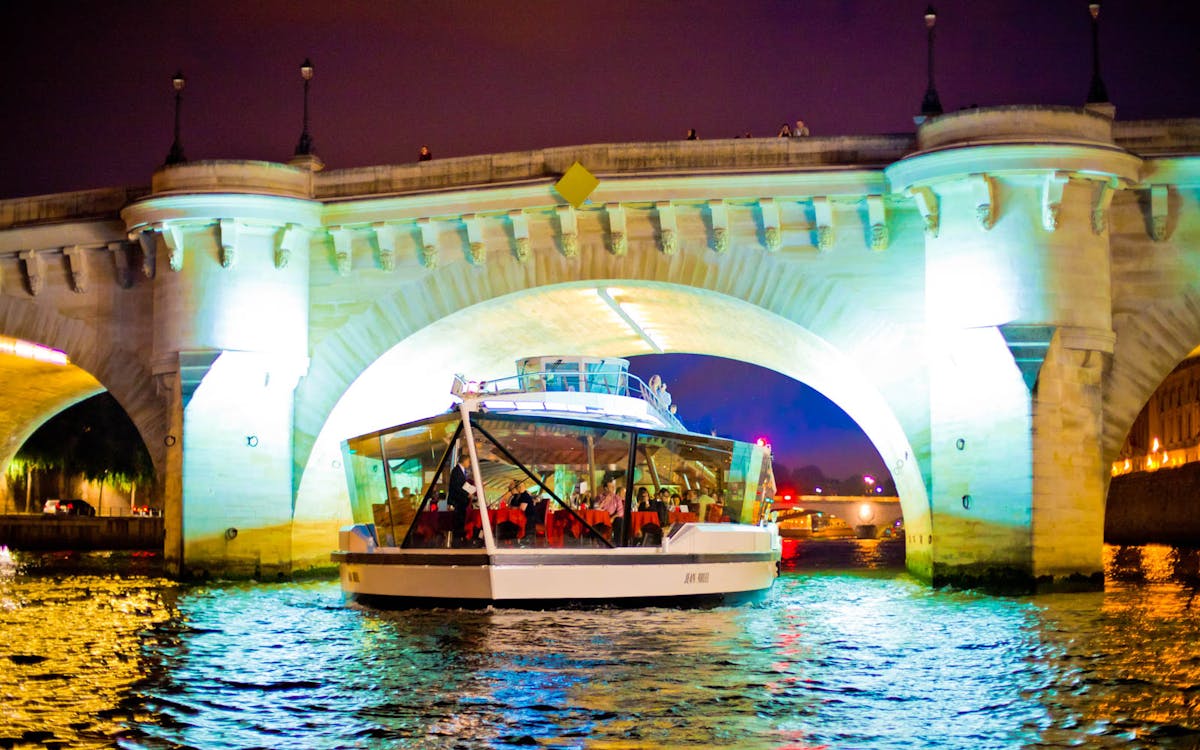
{"points": [[1019, 313], [231, 282]]}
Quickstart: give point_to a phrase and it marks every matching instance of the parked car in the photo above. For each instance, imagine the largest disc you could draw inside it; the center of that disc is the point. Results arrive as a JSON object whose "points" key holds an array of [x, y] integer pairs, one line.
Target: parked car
{"points": [[76, 508]]}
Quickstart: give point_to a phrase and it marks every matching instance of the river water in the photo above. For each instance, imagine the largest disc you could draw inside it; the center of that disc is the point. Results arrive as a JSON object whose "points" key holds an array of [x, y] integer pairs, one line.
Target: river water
{"points": [[839, 658]]}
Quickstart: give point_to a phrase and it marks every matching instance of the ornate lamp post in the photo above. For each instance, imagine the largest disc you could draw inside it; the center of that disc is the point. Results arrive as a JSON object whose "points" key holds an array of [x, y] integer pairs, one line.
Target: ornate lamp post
{"points": [[1097, 93], [175, 156], [931, 106], [305, 147]]}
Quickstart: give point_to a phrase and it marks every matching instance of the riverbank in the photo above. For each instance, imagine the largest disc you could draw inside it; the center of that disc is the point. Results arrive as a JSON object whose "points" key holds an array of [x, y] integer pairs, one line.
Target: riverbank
{"points": [[81, 533]]}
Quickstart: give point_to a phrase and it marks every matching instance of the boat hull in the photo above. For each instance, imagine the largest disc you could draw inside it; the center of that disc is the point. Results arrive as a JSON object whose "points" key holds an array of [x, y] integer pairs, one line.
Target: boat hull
{"points": [[541, 578]]}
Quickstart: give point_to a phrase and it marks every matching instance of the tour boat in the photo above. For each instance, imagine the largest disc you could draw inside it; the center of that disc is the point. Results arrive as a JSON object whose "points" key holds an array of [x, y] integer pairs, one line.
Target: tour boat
{"points": [[578, 431]]}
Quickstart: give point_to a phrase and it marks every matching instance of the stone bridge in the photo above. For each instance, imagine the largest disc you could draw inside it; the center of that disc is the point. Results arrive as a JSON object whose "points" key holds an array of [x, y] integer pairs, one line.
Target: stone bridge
{"points": [[992, 301]]}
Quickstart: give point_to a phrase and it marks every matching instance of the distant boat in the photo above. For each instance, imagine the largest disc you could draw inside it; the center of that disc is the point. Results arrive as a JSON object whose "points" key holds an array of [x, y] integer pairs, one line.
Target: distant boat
{"points": [[565, 426], [811, 524]]}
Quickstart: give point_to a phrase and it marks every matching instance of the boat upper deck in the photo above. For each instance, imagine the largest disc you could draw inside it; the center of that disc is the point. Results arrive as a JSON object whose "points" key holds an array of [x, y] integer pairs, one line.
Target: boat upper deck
{"points": [[591, 388]]}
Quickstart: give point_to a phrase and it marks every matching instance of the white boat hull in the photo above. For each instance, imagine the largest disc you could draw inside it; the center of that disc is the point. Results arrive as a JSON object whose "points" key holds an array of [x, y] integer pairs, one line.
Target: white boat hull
{"points": [[703, 562]]}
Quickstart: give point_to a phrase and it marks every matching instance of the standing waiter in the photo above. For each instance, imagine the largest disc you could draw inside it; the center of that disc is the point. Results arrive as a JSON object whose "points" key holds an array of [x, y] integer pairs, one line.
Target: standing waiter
{"points": [[460, 495]]}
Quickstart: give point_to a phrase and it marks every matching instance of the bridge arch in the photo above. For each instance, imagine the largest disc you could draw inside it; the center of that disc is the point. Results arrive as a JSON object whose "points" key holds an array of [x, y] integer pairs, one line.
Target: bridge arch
{"points": [[607, 317], [97, 363], [1149, 344]]}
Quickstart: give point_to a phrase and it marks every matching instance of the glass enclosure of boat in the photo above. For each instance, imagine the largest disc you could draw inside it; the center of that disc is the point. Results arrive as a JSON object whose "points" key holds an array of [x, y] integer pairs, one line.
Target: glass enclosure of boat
{"points": [[550, 481]]}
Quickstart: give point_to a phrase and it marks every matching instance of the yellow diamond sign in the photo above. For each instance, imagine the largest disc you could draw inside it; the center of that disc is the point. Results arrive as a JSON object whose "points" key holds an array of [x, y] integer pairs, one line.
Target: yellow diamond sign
{"points": [[576, 185]]}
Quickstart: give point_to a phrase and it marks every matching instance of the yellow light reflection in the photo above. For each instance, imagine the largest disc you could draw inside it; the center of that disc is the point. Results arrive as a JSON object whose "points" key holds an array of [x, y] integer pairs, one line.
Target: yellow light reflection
{"points": [[29, 350]]}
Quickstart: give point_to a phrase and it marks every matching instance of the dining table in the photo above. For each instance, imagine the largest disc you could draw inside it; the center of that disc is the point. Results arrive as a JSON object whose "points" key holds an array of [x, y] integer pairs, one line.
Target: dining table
{"points": [[639, 519], [563, 521], [497, 516]]}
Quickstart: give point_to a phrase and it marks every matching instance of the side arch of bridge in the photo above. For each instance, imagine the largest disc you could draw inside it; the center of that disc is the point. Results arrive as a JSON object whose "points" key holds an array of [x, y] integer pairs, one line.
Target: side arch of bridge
{"points": [[97, 363]]}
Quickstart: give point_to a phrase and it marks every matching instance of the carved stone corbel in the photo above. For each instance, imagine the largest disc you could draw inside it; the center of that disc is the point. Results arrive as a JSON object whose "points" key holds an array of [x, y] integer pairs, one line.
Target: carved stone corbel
{"points": [[520, 230], [718, 212], [148, 244], [985, 201], [618, 237], [668, 231], [927, 205], [429, 242], [1052, 193], [568, 227], [121, 263], [772, 233], [343, 253], [1104, 196], [823, 210], [385, 237], [295, 238], [227, 233], [877, 219], [77, 262], [35, 272], [172, 235], [1160, 212], [475, 239]]}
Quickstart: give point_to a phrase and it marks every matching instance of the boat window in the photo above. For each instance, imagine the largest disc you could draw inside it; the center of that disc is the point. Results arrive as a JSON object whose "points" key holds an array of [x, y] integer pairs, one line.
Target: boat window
{"points": [[606, 377], [749, 476], [679, 464], [570, 464], [391, 473], [562, 375]]}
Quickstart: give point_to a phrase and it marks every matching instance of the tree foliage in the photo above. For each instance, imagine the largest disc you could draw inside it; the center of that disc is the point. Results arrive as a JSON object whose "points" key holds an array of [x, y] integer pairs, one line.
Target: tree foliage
{"points": [[94, 438]]}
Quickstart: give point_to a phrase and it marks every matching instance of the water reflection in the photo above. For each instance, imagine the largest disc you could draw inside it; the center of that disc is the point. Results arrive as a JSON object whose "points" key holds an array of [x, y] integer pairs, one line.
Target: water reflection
{"points": [[850, 659]]}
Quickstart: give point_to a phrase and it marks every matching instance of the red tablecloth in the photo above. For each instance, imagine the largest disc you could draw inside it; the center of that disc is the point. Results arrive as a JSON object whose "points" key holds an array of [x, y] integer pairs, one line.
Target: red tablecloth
{"points": [[432, 523], [678, 517], [643, 517], [640, 518], [497, 516], [561, 520]]}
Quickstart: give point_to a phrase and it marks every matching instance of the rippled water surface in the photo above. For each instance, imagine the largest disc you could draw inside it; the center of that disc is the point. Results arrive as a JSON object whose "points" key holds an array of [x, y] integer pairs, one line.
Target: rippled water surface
{"points": [[859, 659]]}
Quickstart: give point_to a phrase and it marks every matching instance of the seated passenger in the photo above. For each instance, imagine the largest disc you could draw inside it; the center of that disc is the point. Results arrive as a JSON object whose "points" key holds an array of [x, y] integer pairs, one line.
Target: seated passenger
{"points": [[611, 503], [642, 503], [519, 498], [660, 504]]}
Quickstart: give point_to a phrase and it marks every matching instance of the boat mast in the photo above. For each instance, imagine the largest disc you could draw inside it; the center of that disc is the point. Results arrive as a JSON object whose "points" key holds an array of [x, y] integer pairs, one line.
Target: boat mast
{"points": [[484, 521]]}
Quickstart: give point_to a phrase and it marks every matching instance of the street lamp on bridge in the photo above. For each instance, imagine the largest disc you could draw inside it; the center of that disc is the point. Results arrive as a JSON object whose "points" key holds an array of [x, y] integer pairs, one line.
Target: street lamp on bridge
{"points": [[305, 147], [175, 155], [931, 105], [1097, 93]]}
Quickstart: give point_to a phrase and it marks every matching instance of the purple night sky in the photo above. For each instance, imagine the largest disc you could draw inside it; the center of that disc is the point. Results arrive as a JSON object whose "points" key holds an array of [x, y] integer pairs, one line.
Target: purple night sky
{"points": [[87, 99]]}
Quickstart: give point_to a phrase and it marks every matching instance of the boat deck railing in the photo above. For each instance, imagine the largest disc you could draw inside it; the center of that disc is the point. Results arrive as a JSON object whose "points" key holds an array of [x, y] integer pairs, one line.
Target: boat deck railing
{"points": [[546, 381]]}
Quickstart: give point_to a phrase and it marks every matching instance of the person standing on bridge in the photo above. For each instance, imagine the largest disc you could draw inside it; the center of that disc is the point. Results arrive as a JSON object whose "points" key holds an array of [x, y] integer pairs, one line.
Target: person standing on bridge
{"points": [[801, 130], [425, 155]]}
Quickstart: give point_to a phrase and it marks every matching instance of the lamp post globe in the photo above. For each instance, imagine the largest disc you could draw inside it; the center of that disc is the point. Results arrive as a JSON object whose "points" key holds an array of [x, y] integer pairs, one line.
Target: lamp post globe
{"points": [[305, 146], [175, 155], [931, 105]]}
